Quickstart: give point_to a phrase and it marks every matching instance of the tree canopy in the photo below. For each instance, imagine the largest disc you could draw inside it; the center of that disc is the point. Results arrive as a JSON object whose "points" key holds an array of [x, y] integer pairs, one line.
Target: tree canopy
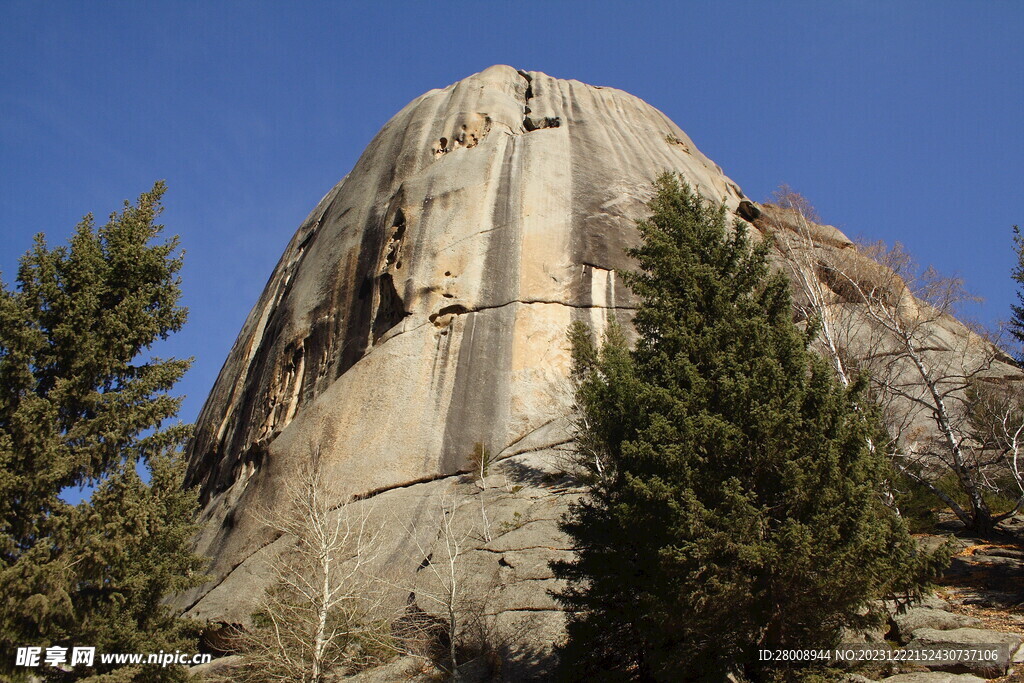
{"points": [[1017, 309], [735, 498], [82, 405]]}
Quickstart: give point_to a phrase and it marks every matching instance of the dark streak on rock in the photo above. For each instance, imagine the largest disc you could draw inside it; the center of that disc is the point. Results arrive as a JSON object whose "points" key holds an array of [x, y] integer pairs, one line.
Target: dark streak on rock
{"points": [[390, 309], [477, 412]]}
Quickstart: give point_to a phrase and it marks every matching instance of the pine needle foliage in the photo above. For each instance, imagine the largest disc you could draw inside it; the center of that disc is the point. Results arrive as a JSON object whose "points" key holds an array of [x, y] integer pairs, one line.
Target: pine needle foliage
{"points": [[735, 499], [1017, 309], [81, 405]]}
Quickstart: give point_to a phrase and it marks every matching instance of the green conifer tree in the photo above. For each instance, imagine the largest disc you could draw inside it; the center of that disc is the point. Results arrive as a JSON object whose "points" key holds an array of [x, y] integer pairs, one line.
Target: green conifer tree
{"points": [[80, 406], [1017, 309], [735, 498]]}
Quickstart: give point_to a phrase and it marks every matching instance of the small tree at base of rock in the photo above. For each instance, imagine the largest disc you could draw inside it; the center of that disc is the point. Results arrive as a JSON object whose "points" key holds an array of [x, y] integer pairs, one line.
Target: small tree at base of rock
{"points": [[324, 613], [996, 429], [736, 503], [441, 588]]}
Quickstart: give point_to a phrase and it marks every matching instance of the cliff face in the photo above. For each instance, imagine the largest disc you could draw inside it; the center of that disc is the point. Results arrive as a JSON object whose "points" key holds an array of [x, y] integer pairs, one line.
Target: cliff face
{"points": [[421, 308], [420, 311]]}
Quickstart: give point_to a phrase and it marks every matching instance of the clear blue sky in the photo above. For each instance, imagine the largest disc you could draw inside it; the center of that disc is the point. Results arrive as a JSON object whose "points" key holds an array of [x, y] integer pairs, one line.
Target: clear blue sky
{"points": [[899, 120]]}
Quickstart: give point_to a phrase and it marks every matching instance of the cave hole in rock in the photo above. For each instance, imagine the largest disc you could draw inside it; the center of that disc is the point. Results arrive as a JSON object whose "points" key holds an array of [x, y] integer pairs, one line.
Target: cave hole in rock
{"points": [[531, 124], [454, 309], [395, 242]]}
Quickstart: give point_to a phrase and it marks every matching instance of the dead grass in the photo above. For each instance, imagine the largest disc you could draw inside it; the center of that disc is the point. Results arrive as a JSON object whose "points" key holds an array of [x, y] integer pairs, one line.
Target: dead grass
{"points": [[1008, 620]]}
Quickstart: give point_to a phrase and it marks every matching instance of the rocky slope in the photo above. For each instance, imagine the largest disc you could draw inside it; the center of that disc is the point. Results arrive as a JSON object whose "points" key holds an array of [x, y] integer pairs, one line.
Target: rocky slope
{"points": [[418, 314]]}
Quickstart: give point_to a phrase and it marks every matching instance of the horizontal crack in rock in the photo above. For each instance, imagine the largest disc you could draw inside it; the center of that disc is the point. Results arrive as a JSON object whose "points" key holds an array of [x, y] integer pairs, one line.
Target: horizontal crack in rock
{"points": [[524, 609], [527, 547], [356, 498], [459, 309]]}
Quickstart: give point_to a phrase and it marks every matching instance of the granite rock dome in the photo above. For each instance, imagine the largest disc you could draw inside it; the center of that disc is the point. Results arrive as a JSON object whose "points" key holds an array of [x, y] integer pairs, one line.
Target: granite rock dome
{"points": [[421, 307]]}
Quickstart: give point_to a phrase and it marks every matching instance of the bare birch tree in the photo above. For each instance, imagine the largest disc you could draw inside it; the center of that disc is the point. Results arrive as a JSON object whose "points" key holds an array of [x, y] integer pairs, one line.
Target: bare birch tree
{"points": [[818, 303], [324, 612], [997, 425], [481, 460], [877, 313], [442, 592]]}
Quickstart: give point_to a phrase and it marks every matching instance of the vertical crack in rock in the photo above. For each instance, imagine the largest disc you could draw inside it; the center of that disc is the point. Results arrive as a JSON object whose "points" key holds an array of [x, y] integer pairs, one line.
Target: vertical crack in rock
{"points": [[283, 397], [394, 245], [319, 345], [532, 123]]}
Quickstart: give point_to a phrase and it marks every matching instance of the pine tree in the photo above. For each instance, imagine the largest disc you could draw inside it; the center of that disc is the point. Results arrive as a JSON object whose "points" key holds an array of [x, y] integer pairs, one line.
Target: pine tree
{"points": [[81, 406], [1017, 310], [735, 497]]}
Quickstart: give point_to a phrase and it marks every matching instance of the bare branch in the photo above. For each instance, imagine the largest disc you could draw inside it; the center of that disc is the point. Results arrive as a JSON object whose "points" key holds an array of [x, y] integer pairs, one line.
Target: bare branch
{"points": [[878, 313], [322, 614]]}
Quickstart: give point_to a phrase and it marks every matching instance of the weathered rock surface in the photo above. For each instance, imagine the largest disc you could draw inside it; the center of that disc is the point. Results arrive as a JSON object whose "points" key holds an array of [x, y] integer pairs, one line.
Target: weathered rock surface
{"points": [[421, 309], [933, 677], [216, 669], [962, 638], [506, 527], [937, 619], [932, 601], [408, 669]]}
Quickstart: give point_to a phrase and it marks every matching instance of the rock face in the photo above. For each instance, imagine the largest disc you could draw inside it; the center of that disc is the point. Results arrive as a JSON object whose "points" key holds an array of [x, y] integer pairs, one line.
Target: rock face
{"points": [[419, 314], [421, 308]]}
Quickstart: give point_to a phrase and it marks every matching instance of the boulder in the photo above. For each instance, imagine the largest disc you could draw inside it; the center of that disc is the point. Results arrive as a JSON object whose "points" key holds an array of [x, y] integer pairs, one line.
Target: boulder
{"points": [[923, 617], [1005, 644], [932, 601], [216, 669], [409, 669]]}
